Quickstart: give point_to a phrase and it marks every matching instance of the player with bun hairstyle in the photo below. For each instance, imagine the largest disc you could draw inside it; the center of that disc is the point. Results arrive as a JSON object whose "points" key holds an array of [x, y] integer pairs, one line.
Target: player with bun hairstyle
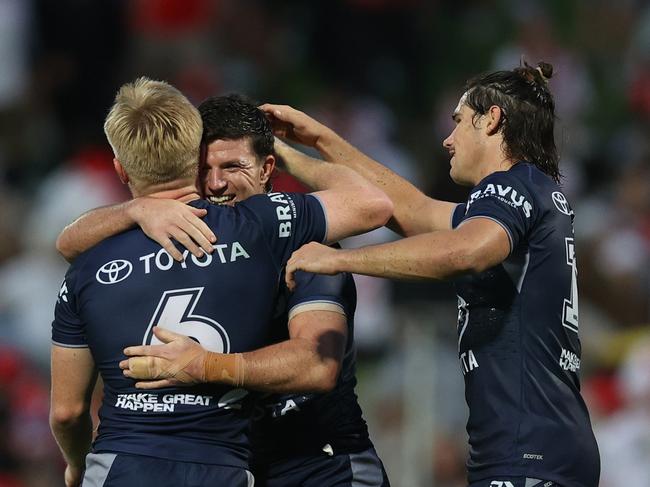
{"points": [[511, 252], [524, 96]]}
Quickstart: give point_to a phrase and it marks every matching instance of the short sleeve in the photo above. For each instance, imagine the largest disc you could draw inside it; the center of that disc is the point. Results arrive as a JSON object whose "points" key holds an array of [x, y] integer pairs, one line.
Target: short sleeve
{"points": [[289, 220], [316, 292], [68, 330], [458, 215], [506, 200]]}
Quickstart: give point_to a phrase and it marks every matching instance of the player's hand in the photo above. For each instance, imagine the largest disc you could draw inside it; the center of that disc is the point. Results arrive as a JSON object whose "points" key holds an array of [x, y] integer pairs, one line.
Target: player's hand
{"points": [[179, 362], [312, 257], [294, 125], [164, 219], [72, 476]]}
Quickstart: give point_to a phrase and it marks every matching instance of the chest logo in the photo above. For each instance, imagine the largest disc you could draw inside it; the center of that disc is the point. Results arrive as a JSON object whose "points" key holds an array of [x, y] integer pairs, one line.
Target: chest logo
{"points": [[114, 271], [561, 203], [505, 194]]}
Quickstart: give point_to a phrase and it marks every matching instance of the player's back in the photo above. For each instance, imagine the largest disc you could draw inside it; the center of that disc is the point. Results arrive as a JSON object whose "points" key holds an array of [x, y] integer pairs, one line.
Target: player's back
{"points": [[120, 289]]}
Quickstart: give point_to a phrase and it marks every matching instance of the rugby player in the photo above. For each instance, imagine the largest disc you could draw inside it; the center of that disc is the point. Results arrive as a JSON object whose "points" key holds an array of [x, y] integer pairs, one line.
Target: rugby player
{"points": [[116, 292], [511, 249], [317, 437]]}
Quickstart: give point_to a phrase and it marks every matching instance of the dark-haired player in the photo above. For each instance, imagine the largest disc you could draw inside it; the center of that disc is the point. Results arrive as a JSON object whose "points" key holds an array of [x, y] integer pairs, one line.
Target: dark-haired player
{"points": [[317, 437], [511, 249], [313, 438], [119, 291]]}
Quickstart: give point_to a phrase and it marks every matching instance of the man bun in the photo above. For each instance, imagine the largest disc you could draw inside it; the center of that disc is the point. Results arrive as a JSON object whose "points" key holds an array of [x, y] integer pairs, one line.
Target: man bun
{"points": [[545, 70]]}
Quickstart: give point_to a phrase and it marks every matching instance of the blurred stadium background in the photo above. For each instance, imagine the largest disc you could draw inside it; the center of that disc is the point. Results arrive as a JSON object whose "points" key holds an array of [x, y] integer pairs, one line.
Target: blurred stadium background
{"points": [[386, 74]]}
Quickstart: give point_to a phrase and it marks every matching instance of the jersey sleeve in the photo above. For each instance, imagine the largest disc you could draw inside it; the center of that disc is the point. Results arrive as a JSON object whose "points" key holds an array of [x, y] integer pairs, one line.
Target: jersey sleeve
{"points": [[289, 220], [504, 199], [68, 330], [458, 214], [316, 292]]}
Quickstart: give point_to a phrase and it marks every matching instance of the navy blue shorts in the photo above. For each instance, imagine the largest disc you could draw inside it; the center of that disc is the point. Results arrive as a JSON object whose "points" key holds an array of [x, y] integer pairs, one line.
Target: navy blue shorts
{"points": [[121, 470], [362, 469], [514, 482]]}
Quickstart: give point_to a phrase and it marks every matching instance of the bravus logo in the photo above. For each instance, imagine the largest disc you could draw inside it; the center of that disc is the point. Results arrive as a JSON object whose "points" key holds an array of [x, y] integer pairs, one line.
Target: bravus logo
{"points": [[507, 194]]}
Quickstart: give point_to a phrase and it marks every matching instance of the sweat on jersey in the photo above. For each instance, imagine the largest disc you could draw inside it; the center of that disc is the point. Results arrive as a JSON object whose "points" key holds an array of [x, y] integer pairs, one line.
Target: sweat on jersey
{"points": [[117, 291], [289, 425], [518, 338]]}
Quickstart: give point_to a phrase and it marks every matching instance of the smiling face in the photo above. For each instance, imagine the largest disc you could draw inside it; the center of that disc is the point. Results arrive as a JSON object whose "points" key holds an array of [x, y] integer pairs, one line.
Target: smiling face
{"points": [[233, 172], [466, 145]]}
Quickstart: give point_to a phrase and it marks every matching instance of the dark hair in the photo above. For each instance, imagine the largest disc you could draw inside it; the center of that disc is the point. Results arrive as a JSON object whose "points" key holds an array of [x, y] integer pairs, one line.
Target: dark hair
{"points": [[529, 109], [234, 117]]}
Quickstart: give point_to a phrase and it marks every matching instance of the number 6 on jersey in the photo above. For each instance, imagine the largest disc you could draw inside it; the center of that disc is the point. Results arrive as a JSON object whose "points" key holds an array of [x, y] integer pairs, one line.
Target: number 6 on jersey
{"points": [[174, 312]]}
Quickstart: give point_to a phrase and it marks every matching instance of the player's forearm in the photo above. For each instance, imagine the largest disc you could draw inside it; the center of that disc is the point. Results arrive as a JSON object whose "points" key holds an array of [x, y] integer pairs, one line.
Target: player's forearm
{"points": [[413, 212], [435, 255], [317, 174], [93, 227], [291, 366], [74, 437]]}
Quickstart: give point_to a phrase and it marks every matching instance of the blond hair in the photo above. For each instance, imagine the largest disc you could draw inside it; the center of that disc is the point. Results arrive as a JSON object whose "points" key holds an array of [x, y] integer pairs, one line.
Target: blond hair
{"points": [[155, 132]]}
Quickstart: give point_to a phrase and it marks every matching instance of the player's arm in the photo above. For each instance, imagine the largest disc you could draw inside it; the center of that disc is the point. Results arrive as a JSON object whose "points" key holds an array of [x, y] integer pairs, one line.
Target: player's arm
{"points": [[476, 245], [73, 378], [309, 361], [161, 220], [352, 204], [413, 213]]}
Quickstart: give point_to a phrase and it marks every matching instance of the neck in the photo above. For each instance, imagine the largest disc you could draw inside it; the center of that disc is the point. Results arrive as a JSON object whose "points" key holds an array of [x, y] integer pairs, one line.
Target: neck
{"points": [[490, 168], [183, 191]]}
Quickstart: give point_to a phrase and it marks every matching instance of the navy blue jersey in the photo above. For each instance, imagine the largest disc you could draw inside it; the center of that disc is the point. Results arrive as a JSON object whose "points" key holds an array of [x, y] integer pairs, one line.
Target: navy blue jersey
{"points": [[117, 291], [303, 424], [518, 338]]}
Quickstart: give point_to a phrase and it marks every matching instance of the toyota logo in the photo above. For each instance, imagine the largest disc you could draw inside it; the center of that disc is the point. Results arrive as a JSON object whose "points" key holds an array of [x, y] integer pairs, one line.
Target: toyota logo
{"points": [[561, 203], [114, 271]]}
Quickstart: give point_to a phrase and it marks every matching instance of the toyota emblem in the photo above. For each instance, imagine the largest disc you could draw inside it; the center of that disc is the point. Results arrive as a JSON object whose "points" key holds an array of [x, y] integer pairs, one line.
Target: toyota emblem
{"points": [[114, 271]]}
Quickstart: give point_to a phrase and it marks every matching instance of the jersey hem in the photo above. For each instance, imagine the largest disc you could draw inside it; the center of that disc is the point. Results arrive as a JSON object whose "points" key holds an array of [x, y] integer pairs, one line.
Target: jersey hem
{"points": [[319, 305], [230, 459], [516, 472], [69, 345]]}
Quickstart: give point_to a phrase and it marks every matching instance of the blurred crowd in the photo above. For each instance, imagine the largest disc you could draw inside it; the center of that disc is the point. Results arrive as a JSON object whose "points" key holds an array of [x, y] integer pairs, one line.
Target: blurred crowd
{"points": [[387, 75]]}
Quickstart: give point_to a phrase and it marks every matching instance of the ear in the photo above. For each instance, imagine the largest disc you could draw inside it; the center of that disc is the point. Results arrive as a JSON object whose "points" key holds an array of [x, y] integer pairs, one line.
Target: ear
{"points": [[203, 169], [267, 169], [495, 118], [121, 173]]}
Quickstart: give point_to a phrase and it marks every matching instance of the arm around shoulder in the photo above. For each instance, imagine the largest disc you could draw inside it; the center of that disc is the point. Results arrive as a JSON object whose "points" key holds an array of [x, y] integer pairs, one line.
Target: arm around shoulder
{"points": [[413, 213], [91, 228], [161, 219], [353, 205]]}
